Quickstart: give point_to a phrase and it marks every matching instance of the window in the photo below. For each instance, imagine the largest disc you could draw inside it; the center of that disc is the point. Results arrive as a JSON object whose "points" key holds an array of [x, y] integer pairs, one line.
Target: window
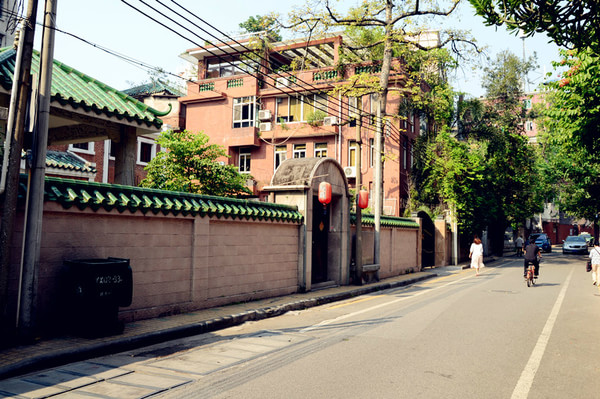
{"points": [[527, 104], [244, 109], [422, 124], [320, 150], [529, 126], [86, 148], [353, 107], [352, 149], [299, 150], [372, 153], [112, 149], [404, 154], [373, 102], [280, 155], [146, 150], [244, 161], [297, 109], [229, 66]]}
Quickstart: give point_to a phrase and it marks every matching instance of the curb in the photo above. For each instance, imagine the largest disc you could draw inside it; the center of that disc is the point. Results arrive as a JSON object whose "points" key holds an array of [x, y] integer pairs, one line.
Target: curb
{"points": [[122, 344]]}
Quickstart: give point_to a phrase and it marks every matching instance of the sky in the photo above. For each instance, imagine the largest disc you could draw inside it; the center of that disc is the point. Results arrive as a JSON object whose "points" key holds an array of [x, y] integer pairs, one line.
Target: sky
{"points": [[113, 25]]}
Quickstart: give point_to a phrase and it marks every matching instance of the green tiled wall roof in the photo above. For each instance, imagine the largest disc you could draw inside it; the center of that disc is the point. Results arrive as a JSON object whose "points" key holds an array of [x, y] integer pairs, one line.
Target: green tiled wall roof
{"points": [[386, 221], [69, 86], [67, 161], [82, 195]]}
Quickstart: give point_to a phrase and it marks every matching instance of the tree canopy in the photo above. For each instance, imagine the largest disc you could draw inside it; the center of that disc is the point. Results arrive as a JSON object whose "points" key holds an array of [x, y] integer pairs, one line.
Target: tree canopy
{"points": [[260, 23], [486, 173], [189, 163], [572, 24], [572, 143]]}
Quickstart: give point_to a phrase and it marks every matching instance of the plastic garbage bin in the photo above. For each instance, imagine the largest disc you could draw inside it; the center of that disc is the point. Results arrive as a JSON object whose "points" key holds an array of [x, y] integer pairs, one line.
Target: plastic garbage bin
{"points": [[97, 288]]}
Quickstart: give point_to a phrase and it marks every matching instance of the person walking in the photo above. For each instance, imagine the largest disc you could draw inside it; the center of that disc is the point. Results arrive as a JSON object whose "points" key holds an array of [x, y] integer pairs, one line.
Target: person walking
{"points": [[519, 245], [595, 256], [476, 255]]}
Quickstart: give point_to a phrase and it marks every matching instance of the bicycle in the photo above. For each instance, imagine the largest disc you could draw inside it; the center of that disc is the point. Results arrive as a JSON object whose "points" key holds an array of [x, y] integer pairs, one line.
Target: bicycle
{"points": [[530, 277]]}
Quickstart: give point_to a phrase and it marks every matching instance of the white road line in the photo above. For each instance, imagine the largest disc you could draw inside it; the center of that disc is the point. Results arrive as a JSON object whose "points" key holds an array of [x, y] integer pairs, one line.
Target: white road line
{"points": [[327, 322], [526, 380]]}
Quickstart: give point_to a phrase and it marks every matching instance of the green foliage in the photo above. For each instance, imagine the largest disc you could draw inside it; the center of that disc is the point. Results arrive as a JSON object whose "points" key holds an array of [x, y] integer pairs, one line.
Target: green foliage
{"points": [[189, 163], [569, 23], [262, 23], [315, 118], [572, 143], [487, 173]]}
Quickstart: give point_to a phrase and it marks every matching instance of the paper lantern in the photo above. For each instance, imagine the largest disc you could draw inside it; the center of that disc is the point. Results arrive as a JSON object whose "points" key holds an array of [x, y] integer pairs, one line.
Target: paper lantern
{"points": [[363, 199], [324, 193]]}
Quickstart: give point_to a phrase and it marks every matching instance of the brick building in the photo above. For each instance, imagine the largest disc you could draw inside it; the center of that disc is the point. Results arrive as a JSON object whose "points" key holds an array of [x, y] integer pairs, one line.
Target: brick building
{"points": [[263, 114]]}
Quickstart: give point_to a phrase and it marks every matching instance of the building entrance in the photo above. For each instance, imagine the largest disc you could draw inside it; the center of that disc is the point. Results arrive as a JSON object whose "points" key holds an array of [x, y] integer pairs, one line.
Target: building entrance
{"points": [[320, 238]]}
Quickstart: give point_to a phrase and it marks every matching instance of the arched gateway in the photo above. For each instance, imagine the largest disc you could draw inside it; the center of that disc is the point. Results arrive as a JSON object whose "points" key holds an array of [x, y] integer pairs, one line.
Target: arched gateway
{"points": [[324, 253]]}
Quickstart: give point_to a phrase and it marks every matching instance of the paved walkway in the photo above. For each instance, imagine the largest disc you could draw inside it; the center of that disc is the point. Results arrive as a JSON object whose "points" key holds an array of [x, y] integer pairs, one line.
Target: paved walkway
{"points": [[62, 350]]}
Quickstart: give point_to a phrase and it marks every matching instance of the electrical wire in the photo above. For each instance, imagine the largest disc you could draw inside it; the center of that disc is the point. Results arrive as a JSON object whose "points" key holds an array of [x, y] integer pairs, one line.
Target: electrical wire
{"points": [[220, 57]]}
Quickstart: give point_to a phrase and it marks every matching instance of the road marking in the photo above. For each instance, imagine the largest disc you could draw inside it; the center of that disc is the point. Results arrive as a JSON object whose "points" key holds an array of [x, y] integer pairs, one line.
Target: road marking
{"points": [[331, 321], [355, 301], [526, 380]]}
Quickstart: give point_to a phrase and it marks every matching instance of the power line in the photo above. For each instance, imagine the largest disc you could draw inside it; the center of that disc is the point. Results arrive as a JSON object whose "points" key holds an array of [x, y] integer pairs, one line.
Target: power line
{"points": [[220, 57]]}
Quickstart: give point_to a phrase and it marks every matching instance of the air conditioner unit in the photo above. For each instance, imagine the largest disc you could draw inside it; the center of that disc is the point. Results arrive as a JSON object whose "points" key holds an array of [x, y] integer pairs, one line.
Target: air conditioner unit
{"points": [[350, 171], [330, 121], [264, 115], [282, 82], [265, 127]]}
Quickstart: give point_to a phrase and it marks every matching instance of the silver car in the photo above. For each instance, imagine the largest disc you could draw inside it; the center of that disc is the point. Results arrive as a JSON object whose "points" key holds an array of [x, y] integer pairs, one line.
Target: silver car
{"points": [[575, 245]]}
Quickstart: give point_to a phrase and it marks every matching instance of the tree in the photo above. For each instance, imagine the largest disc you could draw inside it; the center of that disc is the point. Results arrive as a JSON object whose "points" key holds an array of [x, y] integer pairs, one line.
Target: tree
{"points": [[572, 24], [487, 171], [383, 30], [573, 141], [262, 23], [190, 164]]}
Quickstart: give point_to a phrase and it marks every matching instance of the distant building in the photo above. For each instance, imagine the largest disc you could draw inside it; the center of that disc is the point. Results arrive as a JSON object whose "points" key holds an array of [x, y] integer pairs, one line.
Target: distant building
{"points": [[10, 11]]}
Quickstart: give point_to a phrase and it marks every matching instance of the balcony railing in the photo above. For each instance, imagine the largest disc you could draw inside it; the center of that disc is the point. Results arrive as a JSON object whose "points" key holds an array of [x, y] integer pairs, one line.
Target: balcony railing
{"points": [[206, 86], [368, 69], [325, 75], [235, 83]]}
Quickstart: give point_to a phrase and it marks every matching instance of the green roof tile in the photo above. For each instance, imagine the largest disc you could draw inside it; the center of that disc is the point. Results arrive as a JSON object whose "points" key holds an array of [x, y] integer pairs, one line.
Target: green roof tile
{"points": [[386, 221], [92, 195], [69, 86]]}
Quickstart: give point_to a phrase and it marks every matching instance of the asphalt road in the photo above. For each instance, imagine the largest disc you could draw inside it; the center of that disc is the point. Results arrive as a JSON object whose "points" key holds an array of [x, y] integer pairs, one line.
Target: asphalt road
{"points": [[456, 336]]}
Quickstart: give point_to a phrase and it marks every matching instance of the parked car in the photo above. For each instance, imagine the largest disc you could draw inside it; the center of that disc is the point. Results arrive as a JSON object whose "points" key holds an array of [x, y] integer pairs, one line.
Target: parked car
{"points": [[588, 238], [541, 240], [575, 245]]}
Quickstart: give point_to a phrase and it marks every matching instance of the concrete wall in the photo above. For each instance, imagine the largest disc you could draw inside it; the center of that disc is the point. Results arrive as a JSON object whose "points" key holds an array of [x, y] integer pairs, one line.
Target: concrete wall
{"points": [[180, 263], [399, 250]]}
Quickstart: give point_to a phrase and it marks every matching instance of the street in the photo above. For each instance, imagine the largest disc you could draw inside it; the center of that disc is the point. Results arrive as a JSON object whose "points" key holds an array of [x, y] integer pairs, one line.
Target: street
{"points": [[455, 336]]}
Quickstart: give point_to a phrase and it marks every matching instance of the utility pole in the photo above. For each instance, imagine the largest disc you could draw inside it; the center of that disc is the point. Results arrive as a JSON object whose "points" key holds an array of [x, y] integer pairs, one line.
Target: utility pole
{"points": [[17, 134], [358, 241], [33, 228], [378, 187]]}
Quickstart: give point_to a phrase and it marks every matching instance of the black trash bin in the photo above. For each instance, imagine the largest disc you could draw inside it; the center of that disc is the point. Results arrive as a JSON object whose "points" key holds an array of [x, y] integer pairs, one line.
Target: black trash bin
{"points": [[97, 288]]}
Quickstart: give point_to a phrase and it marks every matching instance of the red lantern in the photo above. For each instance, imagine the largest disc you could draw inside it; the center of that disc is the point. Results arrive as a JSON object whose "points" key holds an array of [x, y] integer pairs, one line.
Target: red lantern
{"points": [[324, 193], [363, 199]]}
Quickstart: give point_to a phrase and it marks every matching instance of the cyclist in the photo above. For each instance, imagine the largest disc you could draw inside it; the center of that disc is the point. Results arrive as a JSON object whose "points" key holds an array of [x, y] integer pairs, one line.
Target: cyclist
{"points": [[533, 254]]}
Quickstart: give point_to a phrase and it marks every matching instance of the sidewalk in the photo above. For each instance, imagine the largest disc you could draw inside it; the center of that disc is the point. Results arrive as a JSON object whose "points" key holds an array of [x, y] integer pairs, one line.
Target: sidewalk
{"points": [[62, 350]]}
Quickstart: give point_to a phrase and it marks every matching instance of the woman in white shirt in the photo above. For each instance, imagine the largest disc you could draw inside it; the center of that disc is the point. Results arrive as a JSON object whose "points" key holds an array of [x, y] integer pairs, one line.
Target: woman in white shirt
{"points": [[595, 256], [476, 255]]}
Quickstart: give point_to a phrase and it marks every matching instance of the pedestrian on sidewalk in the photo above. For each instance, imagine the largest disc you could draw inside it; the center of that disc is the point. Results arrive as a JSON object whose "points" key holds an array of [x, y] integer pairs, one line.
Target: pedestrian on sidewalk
{"points": [[595, 256], [476, 255], [519, 245]]}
